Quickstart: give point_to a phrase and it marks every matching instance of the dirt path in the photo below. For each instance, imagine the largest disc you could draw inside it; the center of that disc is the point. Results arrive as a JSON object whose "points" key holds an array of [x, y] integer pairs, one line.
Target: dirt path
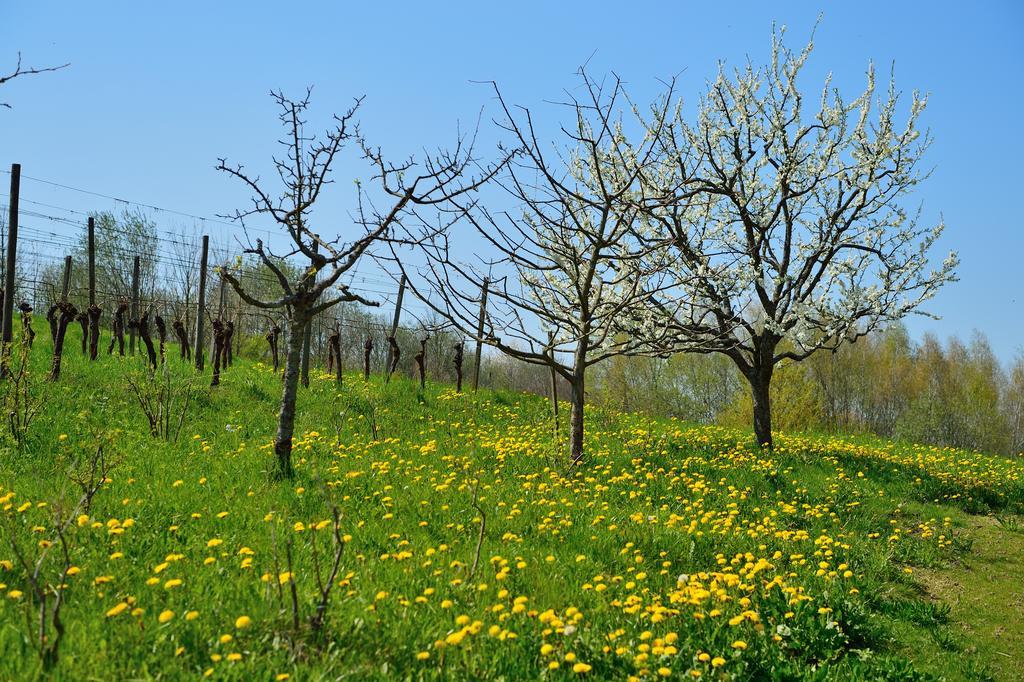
{"points": [[985, 590]]}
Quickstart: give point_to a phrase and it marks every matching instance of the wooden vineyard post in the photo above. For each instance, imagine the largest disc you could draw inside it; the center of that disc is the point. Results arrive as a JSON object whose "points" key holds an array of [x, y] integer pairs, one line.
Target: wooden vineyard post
{"points": [[198, 345], [220, 314], [457, 362], [334, 353], [421, 362], [367, 350], [394, 324], [554, 381], [307, 338], [92, 261], [480, 335], [93, 311], [135, 306], [6, 327], [65, 289]]}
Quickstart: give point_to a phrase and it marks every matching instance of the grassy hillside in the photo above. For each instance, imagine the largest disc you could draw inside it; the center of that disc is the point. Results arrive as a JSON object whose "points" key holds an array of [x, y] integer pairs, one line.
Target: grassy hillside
{"points": [[469, 551]]}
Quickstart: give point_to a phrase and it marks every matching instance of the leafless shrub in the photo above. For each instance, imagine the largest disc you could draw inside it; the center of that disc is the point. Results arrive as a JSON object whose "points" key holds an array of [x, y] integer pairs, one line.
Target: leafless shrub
{"points": [[326, 563], [21, 400], [46, 572], [164, 399]]}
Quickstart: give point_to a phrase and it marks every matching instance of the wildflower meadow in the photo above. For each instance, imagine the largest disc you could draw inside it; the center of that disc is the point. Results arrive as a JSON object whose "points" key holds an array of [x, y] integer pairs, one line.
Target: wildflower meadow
{"points": [[429, 534]]}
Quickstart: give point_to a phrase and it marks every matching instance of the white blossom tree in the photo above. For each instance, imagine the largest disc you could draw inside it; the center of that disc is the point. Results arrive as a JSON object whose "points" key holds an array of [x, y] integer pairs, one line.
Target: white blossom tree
{"points": [[561, 265], [787, 223]]}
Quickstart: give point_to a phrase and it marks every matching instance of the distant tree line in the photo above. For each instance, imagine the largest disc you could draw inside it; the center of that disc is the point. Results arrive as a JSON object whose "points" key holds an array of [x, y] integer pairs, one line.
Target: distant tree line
{"points": [[953, 393]]}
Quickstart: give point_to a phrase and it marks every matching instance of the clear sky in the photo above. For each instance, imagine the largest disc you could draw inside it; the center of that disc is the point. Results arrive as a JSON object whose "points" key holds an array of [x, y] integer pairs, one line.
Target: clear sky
{"points": [[156, 92]]}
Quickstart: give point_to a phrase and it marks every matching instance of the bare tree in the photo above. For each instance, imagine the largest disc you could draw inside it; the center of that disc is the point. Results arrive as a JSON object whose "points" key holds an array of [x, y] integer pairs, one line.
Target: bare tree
{"points": [[304, 172], [788, 231], [20, 70], [562, 266]]}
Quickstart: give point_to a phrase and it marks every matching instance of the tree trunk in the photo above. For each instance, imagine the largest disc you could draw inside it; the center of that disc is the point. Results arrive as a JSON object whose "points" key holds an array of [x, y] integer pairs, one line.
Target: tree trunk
{"points": [[28, 335], [67, 316], [51, 319], [576, 396], [306, 341], [94, 330], [83, 320], [161, 330], [143, 328], [286, 416], [457, 361], [367, 349], [760, 383], [218, 351]]}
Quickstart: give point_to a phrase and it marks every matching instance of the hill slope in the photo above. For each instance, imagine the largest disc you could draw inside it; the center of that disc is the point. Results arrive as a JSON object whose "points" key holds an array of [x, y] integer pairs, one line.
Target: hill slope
{"points": [[469, 551]]}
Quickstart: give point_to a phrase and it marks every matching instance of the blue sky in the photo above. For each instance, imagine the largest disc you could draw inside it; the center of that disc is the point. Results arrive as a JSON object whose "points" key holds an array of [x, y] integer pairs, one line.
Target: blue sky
{"points": [[157, 92]]}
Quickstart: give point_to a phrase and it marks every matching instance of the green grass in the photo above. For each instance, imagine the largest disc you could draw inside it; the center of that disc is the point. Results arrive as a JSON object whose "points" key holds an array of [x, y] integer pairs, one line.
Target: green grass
{"points": [[674, 551]]}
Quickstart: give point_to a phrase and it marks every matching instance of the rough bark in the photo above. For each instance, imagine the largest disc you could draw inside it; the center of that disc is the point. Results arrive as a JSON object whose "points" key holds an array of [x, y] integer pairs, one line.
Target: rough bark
{"points": [[331, 340], [117, 336], [83, 320], [67, 315], [161, 330], [51, 319], [457, 361], [219, 355], [576, 397], [421, 362], [142, 325], [337, 365], [396, 354], [760, 384], [334, 355], [184, 348], [367, 350], [94, 313], [28, 335], [272, 337], [286, 415]]}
